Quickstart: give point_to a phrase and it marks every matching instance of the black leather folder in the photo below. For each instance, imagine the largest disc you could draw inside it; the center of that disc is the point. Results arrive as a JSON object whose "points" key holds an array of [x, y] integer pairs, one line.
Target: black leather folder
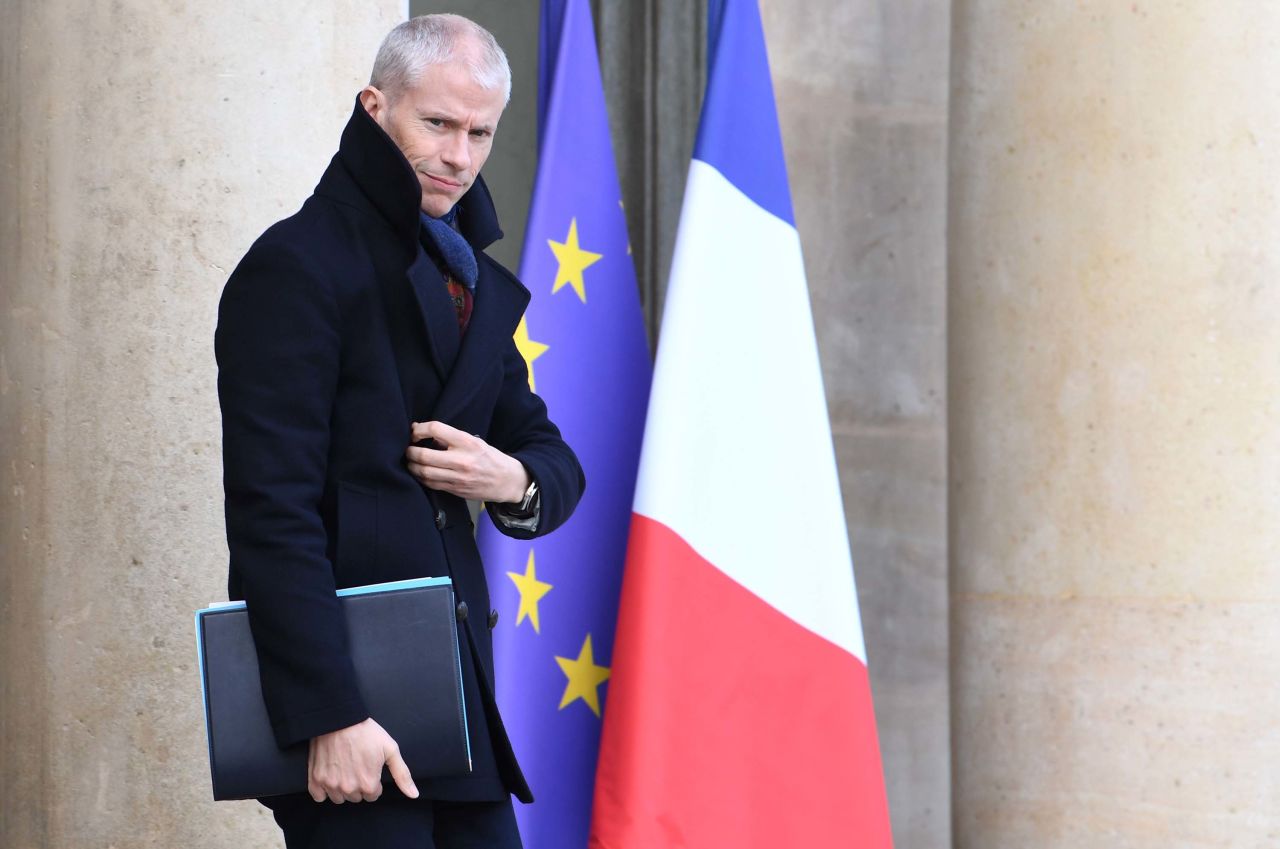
{"points": [[404, 644]]}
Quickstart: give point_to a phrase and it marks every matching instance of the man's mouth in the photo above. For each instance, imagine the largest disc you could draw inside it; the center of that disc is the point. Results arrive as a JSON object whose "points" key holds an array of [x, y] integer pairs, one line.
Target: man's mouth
{"points": [[443, 182]]}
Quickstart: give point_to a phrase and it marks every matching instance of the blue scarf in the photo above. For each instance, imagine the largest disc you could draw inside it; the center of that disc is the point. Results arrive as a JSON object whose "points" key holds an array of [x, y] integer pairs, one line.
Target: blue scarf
{"points": [[450, 248]]}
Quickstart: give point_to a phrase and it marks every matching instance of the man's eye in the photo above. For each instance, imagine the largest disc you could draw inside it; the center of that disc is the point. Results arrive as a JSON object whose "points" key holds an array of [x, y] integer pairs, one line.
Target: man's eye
{"points": [[436, 122]]}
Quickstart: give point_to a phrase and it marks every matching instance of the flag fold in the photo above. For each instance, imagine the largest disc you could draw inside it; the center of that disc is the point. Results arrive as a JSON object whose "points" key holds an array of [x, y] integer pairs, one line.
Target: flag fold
{"points": [[740, 709]]}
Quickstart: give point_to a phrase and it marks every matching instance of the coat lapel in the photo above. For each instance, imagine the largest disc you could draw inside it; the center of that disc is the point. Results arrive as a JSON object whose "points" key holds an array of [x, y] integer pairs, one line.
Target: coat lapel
{"points": [[370, 173], [411, 347], [499, 303], [436, 311]]}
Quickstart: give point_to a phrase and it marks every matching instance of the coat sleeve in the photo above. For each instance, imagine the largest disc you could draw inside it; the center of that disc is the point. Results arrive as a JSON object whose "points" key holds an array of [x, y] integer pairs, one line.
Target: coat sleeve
{"points": [[278, 346], [522, 429]]}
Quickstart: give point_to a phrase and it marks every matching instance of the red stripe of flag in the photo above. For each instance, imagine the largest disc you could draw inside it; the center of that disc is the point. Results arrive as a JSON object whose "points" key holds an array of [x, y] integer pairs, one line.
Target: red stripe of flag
{"points": [[728, 724]]}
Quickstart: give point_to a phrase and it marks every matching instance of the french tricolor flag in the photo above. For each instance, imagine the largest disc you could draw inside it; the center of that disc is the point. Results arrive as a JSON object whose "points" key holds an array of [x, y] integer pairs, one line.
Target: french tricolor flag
{"points": [[739, 710]]}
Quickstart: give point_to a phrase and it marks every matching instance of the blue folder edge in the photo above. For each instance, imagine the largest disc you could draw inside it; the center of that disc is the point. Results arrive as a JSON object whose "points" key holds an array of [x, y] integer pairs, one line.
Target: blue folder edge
{"points": [[410, 584]]}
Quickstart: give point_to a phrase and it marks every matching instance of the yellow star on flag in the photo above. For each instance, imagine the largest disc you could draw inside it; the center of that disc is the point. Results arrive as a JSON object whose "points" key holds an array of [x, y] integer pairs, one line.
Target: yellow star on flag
{"points": [[531, 592], [528, 349], [573, 261], [584, 678]]}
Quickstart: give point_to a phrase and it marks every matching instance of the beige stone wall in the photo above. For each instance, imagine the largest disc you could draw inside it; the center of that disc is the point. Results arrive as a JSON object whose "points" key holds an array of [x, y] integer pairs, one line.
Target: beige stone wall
{"points": [[144, 145], [862, 98], [1114, 365], [1115, 423]]}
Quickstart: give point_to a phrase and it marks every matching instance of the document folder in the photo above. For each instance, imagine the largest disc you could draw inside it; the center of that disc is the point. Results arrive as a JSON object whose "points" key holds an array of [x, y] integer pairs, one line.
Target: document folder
{"points": [[404, 644]]}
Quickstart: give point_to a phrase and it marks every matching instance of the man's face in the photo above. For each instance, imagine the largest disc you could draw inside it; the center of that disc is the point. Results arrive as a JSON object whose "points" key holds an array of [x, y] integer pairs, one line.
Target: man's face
{"points": [[444, 126]]}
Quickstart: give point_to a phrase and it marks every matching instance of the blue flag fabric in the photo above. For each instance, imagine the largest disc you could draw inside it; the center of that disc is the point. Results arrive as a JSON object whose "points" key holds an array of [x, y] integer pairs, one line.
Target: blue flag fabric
{"points": [[583, 337], [550, 25], [739, 105]]}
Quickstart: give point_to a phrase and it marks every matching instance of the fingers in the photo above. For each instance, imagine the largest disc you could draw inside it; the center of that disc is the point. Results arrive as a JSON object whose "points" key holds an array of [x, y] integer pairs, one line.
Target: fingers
{"points": [[433, 478], [464, 470], [445, 434], [346, 765], [335, 786], [400, 772], [444, 481], [366, 789], [467, 467], [323, 785], [316, 792], [436, 458], [352, 792]]}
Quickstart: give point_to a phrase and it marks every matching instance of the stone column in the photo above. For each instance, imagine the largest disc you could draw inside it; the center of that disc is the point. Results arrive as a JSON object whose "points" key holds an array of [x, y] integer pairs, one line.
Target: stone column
{"points": [[862, 99], [144, 145], [1114, 351]]}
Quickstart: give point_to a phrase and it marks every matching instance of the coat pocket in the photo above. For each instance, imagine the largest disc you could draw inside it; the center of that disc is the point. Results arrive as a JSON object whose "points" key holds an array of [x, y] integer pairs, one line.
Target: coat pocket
{"points": [[357, 535]]}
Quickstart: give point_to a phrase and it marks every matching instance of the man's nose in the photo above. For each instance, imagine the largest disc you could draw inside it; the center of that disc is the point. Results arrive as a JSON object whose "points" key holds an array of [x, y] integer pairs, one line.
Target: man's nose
{"points": [[457, 151]]}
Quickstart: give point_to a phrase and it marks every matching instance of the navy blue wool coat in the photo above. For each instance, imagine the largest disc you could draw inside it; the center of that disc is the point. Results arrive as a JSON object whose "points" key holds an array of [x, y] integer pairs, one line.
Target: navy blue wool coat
{"points": [[334, 333]]}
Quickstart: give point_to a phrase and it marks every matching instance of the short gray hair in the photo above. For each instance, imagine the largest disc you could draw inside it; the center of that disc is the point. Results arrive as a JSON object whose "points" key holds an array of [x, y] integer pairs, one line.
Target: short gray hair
{"points": [[432, 40]]}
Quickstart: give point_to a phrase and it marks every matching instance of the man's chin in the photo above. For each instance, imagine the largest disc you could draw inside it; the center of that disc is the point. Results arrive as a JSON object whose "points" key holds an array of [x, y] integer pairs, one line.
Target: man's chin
{"points": [[437, 207], [436, 204]]}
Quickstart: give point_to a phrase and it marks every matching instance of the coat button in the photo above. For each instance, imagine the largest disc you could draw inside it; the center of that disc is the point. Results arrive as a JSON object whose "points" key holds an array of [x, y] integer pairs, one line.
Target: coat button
{"points": [[441, 518], [462, 611], [493, 619]]}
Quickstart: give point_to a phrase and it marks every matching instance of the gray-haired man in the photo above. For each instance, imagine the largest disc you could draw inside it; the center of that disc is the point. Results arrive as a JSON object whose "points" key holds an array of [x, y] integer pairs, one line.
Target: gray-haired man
{"points": [[370, 386]]}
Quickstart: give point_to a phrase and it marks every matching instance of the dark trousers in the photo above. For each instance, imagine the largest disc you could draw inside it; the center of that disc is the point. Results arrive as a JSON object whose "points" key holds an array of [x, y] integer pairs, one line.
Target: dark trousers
{"points": [[396, 823]]}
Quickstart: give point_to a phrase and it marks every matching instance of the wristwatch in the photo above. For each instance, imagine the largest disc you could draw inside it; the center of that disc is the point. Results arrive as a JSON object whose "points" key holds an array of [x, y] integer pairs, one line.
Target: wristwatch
{"points": [[526, 506]]}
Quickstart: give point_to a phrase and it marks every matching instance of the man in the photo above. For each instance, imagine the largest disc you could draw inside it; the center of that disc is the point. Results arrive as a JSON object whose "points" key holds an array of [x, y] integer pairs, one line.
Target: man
{"points": [[369, 386]]}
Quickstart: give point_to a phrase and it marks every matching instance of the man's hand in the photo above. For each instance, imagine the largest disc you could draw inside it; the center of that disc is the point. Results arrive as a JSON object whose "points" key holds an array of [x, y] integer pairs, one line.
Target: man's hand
{"points": [[464, 465], [346, 765]]}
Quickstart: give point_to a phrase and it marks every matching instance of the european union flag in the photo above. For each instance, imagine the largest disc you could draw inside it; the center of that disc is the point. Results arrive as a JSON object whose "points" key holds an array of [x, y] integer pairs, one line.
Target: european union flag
{"points": [[584, 341]]}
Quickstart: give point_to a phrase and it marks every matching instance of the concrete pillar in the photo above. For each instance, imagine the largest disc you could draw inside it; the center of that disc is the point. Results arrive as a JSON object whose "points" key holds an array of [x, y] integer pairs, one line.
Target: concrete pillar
{"points": [[144, 145], [1114, 356], [862, 99]]}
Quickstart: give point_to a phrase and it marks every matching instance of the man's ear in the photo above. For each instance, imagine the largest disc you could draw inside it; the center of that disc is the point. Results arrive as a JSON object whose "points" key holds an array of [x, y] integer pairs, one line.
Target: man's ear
{"points": [[375, 102]]}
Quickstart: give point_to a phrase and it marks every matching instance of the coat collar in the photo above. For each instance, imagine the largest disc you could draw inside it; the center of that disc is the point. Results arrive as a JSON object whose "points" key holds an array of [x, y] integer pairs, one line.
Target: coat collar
{"points": [[369, 171], [500, 301]]}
